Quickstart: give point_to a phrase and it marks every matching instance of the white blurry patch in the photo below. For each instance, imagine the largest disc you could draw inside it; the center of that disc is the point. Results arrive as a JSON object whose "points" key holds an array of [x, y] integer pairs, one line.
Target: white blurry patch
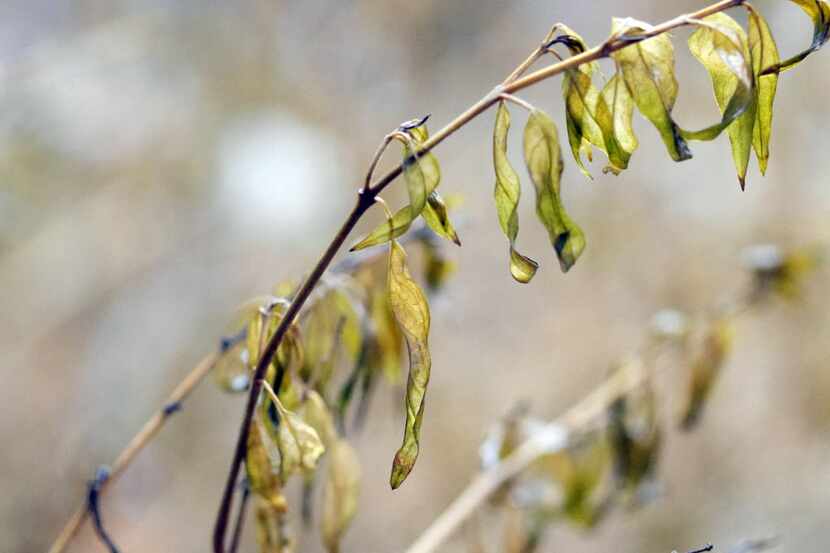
{"points": [[104, 94], [277, 172]]}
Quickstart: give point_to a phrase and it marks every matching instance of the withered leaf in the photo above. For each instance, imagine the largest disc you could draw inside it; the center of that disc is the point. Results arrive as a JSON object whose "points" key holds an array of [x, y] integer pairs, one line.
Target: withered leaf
{"points": [[648, 69], [543, 157], [507, 193], [411, 311], [340, 494]]}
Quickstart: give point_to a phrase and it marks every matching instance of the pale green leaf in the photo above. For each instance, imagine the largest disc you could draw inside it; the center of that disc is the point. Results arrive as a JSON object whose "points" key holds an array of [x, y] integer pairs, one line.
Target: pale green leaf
{"points": [[614, 112], [819, 12], [764, 54], [543, 157], [507, 193], [648, 70], [386, 231], [262, 464], [409, 306]]}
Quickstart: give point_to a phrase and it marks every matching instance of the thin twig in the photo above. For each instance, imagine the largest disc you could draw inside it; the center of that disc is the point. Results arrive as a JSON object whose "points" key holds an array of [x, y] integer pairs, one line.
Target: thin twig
{"points": [[139, 441], [366, 198]]}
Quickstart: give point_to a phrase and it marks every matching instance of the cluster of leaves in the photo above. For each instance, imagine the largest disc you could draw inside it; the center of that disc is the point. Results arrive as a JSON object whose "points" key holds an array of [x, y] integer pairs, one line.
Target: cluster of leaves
{"points": [[743, 66], [615, 461], [350, 334]]}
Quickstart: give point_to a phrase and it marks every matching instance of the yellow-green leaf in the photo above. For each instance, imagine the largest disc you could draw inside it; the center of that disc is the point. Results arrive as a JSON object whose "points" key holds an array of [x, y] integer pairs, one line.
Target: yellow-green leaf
{"points": [[437, 218], [271, 530], [421, 172], [819, 12], [648, 70], [764, 53], [409, 305], [298, 443], [340, 494], [386, 231], [262, 464], [315, 412], [706, 363], [543, 157], [720, 45], [507, 193], [581, 99], [613, 114]]}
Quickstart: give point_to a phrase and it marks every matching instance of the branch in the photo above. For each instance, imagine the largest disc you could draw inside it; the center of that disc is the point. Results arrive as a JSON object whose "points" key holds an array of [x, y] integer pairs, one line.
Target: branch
{"points": [[366, 198], [139, 441]]}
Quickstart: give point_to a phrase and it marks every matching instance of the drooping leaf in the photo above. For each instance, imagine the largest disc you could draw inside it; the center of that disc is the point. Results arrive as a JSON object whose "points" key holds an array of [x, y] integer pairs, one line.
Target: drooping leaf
{"points": [[298, 444], [635, 441], [580, 471], [819, 12], [262, 464], [581, 99], [409, 305], [271, 530], [543, 157], [648, 70], [316, 414], [437, 218], [332, 332], [614, 112], [705, 366], [422, 176], [507, 193], [720, 45], [764, 53], [340, 494]]}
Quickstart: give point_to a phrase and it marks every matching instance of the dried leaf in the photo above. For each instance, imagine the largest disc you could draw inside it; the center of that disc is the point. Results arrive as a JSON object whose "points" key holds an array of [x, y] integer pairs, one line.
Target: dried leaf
{"points": [[720, 45], [764, 53], [543, 157], [705, 368], [819, 12], [581, 99], [614, 111], [340, 494], [635, 441], [271, 532], [412, 315], [298, 444], [648, 69], [507, 193], [315, 412], [262, 464], [437, 218]]}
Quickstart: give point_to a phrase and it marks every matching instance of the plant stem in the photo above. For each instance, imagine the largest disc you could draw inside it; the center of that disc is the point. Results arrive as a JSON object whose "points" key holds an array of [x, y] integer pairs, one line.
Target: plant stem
{"points": [[366, 199], [139, 441], [364, 202]]}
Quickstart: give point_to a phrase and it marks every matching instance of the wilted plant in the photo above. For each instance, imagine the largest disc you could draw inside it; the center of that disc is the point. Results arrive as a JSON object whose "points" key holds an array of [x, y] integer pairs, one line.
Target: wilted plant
{"points": [[289, 351]]}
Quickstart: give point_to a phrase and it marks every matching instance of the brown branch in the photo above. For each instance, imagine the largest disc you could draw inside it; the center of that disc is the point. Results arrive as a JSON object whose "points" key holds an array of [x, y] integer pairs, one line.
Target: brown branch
{"points": [[366, 199], [139, 441]]}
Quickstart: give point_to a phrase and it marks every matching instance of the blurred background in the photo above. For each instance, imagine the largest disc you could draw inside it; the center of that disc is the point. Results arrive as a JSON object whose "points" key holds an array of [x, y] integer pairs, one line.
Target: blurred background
{"points": [[162, 161]]}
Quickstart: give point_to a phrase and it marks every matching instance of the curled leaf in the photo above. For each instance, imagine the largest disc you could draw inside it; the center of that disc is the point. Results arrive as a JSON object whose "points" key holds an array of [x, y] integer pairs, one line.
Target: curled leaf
{"points": [[420, 171], [437, 218], [705, 367], [507, 193], [262, 464], [613, 114], [819, 12], [298, 444], [648, 70], [720, 45], [315, 412], [764, 53], [581, 99], [340, 494], [543, 157], [411, 312]]}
